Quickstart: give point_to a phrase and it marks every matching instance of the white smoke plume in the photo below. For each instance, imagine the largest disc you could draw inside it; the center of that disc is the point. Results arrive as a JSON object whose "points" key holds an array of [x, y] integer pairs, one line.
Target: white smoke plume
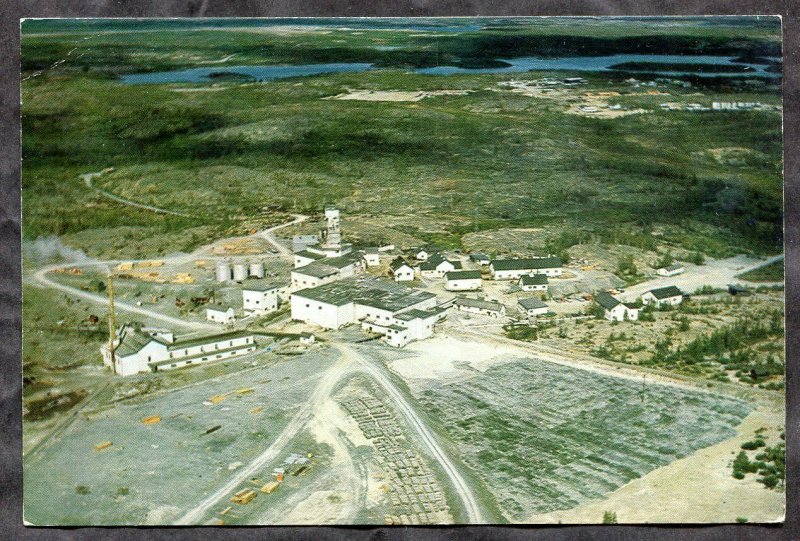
{"points": [[52, 250]]}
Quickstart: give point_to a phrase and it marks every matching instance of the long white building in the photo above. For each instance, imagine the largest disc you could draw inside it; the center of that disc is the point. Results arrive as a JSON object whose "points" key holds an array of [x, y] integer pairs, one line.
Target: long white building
{"points": [[513, 269], [343, 302], [140, 350]]}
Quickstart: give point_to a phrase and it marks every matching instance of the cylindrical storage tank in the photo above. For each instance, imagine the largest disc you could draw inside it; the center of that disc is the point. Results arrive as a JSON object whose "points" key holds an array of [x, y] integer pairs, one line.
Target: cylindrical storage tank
{"points": [[239, 272], [223, 271], [257, 269]]}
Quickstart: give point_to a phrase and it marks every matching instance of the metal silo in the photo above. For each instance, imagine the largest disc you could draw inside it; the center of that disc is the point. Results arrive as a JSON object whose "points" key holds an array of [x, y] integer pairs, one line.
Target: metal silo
{"points": [[223, 271], [257, 269], [239, 272]]}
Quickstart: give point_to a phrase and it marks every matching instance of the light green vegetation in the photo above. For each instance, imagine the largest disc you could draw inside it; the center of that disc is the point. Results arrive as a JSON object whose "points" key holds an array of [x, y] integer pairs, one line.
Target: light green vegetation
{"points": [[774, 272], [554, 448], [711, 336], [252, 152]]}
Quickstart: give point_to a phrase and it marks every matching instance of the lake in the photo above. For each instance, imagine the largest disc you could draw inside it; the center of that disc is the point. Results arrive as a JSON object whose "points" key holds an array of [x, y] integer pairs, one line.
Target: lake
{"points": [[518, 65]]}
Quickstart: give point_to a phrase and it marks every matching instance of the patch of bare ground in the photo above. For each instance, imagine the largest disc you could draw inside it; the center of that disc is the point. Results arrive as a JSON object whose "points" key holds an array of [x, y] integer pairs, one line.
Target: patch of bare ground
{"points": [[394, 95], [698, 488]]}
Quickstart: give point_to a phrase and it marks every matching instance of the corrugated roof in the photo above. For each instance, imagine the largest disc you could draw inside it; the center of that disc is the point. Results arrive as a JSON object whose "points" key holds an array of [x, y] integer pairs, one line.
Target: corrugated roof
{"points": [[666, 292], [527, 263], [309, 255], [317, 269], [531, 303], [463, 275], [534, 280], [605, 300], [132, 341], [478, 303], [258, 286], [367, 291]]}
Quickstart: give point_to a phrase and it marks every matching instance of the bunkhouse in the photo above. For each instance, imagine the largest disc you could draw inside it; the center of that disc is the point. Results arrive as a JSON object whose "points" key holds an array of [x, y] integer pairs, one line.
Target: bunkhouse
{"points": [[532, 307], [480, 306], [513, 269], [663, 296], [614, 309], [464, 280], [533, 282], [400, 270], [138, 350]]}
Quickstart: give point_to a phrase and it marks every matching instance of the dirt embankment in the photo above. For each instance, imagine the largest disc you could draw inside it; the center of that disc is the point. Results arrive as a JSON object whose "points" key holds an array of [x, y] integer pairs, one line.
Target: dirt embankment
{"points": [[695, 489]]}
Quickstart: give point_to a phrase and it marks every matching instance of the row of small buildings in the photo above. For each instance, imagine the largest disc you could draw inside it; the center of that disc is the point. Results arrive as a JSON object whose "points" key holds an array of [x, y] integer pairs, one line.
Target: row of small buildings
{"points": [[616, 310]]}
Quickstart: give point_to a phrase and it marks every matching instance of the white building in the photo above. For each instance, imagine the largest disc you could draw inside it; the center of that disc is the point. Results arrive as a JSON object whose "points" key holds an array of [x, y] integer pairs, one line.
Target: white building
{"points": [[220, 314], [325, 271], [400, 270], [405, 327], [480, 259], [463, 280], [424, 253], [532, 307], [662, 296], [259, 298], [671, 270], [480, 306], [139, 350], [304, 257], [301, 242], [372, 257], [436, 266], [535, 282], [513, 269], [332, 245], [614, 309], [341, 303]]}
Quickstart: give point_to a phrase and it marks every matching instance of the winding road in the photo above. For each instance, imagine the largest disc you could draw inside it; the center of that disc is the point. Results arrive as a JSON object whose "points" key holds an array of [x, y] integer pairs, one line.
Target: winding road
{"points": [[88, 177], [351, 361]]}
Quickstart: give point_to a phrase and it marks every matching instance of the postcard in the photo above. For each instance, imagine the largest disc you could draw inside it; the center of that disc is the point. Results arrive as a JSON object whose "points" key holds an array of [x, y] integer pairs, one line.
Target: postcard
{"points": [[403, 271]]}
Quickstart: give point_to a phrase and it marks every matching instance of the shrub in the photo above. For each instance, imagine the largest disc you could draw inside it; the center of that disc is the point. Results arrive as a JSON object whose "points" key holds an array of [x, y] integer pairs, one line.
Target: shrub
{"points": [[609, 517]]}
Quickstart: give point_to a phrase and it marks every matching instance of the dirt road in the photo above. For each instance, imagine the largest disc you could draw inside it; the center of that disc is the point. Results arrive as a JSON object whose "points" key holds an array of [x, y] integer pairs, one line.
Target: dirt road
{"points": [[87, 179], [715, 273], [350, 361], [321, 393], [40, 277], [471, 506], [269, 235]]}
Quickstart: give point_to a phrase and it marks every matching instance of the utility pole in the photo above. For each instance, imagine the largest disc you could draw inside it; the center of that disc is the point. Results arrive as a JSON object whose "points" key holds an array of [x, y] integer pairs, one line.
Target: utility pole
{"points": [[111, 322]]}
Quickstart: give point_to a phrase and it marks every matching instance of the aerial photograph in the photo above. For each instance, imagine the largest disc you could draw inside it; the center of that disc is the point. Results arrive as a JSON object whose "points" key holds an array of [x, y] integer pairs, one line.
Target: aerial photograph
{"points": [[402, 271]]}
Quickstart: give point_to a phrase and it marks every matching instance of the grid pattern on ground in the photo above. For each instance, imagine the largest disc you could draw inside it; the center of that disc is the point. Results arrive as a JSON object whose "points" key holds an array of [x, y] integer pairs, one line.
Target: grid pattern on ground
{"points": [[548, 437], [414, 495]]}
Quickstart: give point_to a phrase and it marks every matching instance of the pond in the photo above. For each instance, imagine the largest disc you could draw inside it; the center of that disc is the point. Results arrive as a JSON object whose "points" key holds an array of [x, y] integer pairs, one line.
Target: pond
{"points": [[516, 65]]}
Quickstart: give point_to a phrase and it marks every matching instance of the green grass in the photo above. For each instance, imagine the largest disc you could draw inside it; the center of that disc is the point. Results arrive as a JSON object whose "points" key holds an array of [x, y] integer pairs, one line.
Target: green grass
{"points": [[774, 272], [485, 160]]}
